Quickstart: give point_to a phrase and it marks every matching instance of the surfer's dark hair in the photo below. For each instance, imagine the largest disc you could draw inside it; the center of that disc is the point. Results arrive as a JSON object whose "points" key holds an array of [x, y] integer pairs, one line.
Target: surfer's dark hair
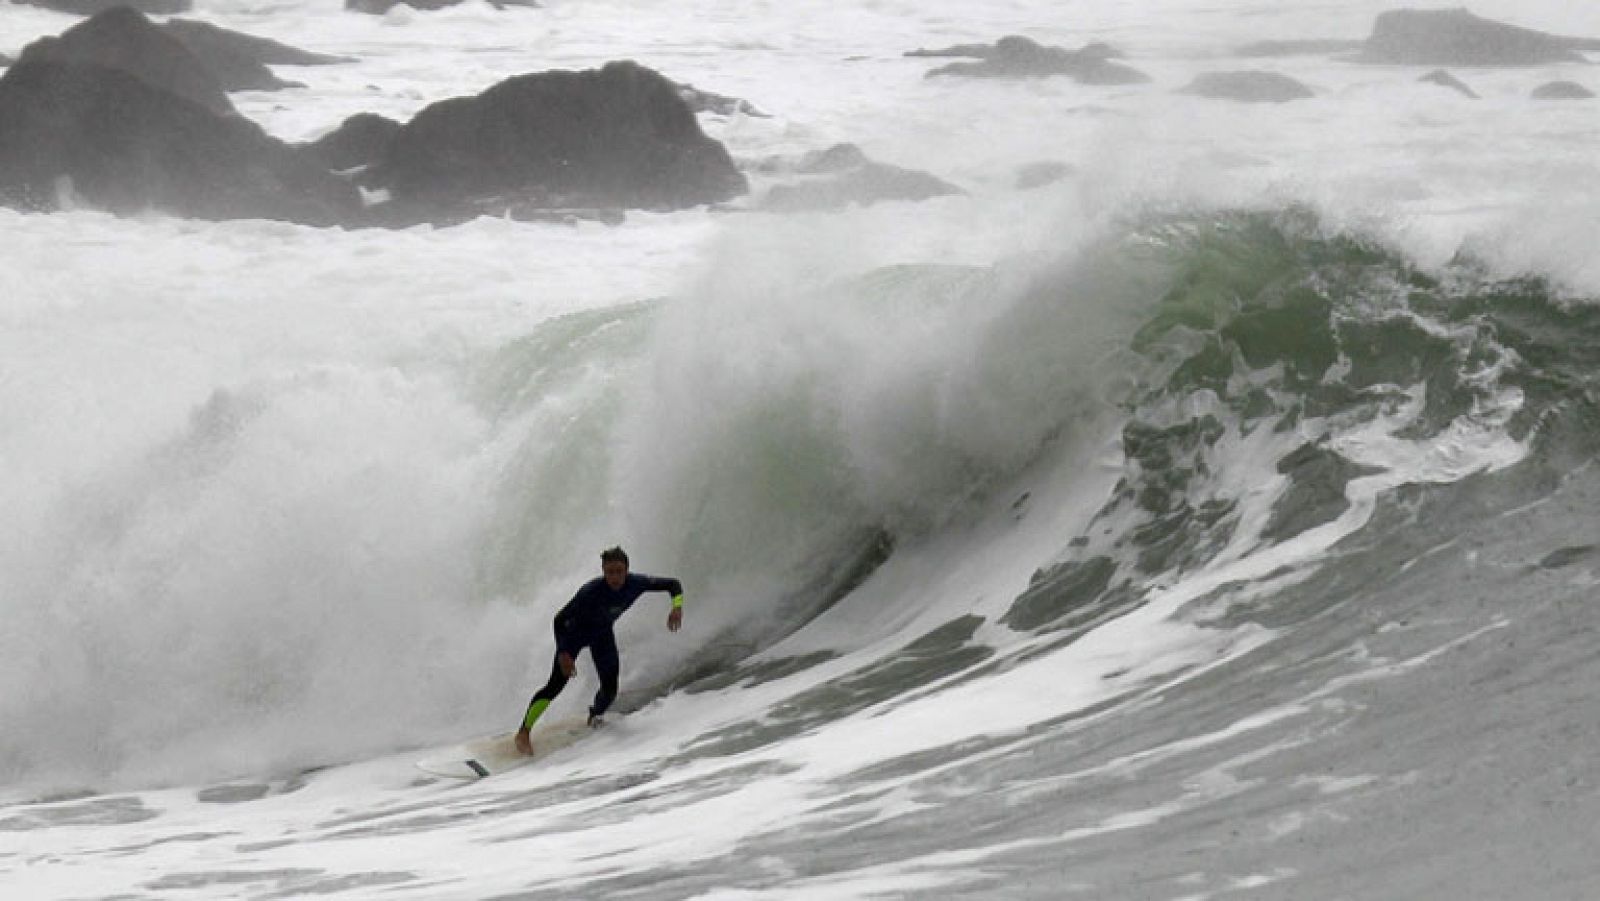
{"points": [[614, 555]]}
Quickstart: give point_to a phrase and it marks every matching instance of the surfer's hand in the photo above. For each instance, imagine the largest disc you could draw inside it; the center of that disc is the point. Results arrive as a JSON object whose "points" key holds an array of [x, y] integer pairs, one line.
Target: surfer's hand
{"points": [[564, 660], [523, 745], [675, 619]]}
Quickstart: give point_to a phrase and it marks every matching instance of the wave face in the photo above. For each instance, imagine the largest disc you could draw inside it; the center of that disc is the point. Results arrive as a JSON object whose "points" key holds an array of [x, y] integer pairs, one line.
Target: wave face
{"points": [[1282, 494]]}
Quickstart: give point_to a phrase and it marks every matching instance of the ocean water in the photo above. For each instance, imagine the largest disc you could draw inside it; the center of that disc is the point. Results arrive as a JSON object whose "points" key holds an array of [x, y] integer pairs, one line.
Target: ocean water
{"points": [[1214, 522]]}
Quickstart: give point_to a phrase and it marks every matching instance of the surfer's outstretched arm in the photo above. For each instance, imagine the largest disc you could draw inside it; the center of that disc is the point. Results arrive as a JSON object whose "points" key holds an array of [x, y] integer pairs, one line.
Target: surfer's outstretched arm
{"points": [[672, 587]]}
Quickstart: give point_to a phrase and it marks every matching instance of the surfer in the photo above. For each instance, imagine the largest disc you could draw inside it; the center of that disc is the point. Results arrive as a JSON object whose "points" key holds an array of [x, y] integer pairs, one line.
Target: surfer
{"points": [[585, 622]]}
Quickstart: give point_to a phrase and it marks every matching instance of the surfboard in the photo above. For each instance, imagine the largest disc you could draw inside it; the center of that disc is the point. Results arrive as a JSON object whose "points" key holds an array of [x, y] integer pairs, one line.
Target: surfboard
{"points": [[495, 754]]}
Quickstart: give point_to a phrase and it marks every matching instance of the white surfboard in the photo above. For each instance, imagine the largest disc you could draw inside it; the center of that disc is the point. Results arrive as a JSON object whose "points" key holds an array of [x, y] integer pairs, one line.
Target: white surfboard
{"points": [[487, 756]]}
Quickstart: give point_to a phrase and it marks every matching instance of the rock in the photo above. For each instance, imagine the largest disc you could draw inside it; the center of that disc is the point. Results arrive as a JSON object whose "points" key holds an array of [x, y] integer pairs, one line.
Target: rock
{"points": [[239, 61], [1311, 47], [706, 102], [359, 141], [379, 7], [1455, 37], [95, 7], [843, 176], [836, 159], [974, 51], [123, 39], [1037, 175], [73, 133], [1100, 50], [1018, 57], [1248, 87], [1106, 73], [1445, 79], [619, 136], [203, 35], [1562, 90], [233, 70]]}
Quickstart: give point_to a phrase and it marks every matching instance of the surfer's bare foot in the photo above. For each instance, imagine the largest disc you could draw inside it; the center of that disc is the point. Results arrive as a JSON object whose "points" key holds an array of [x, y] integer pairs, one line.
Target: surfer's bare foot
{"points": [[568, 666], [524, 746]]}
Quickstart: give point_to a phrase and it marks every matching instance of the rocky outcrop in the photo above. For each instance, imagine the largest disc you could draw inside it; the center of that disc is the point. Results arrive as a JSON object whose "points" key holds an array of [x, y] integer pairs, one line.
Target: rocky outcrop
{"points": [[1248, 87], [78, 134], [239, 61], [1456, 37], [618, 137], [706, 102], [379, 7], [843, 176], [124, 40], [1445, 80], [203, 37], [360, 140], [95, 7], [1562, 90], [117, 113], [1018, 57]]}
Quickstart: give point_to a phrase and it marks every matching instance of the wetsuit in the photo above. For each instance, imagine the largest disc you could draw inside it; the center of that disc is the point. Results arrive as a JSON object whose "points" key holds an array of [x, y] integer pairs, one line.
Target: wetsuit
{"points": [[585, 622]]}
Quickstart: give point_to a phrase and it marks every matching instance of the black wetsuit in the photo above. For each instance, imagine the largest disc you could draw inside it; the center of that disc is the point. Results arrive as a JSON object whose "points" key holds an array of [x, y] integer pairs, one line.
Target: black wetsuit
{"points": [[585, 622]]}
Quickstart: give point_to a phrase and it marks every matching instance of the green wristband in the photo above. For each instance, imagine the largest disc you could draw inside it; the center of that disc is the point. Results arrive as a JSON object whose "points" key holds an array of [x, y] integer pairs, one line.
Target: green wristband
{"points": [[677, 602]]}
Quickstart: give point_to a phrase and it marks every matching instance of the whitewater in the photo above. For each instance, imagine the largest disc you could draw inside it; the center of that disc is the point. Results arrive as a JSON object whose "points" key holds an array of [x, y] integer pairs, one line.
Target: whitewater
{"points": [[1216, 521]]}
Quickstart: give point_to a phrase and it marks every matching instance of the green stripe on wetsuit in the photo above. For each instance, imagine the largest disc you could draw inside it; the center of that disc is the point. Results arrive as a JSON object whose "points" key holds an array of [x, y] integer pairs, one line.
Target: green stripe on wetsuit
{"points": [[535, 710]]}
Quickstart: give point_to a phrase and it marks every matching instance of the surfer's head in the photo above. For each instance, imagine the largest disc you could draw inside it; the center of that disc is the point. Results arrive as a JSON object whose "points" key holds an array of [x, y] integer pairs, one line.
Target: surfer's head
{"points": [[614, 564]]}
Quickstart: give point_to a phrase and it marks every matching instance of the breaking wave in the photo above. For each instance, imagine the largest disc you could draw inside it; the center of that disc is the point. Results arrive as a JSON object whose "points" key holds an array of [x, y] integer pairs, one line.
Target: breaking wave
{"points": [[308, 556]]}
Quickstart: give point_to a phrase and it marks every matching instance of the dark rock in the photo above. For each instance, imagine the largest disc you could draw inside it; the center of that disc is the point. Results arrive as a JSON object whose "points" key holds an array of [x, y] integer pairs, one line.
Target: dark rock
{"points": [[379, 7], [234, 71], [844, 176], [706, 102], [973, 51], [1312, 47], [123, 39], [95, 7], [1015, 45], [1106, 73], [619, 136], [1018, 57], [1446, 80], [72, 133], [1037, 175], [1100, 50], [203, 35], [1562, 90], [359, 141], [239, 61], [836, 159], [1248, 87], [1455, 37]]}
